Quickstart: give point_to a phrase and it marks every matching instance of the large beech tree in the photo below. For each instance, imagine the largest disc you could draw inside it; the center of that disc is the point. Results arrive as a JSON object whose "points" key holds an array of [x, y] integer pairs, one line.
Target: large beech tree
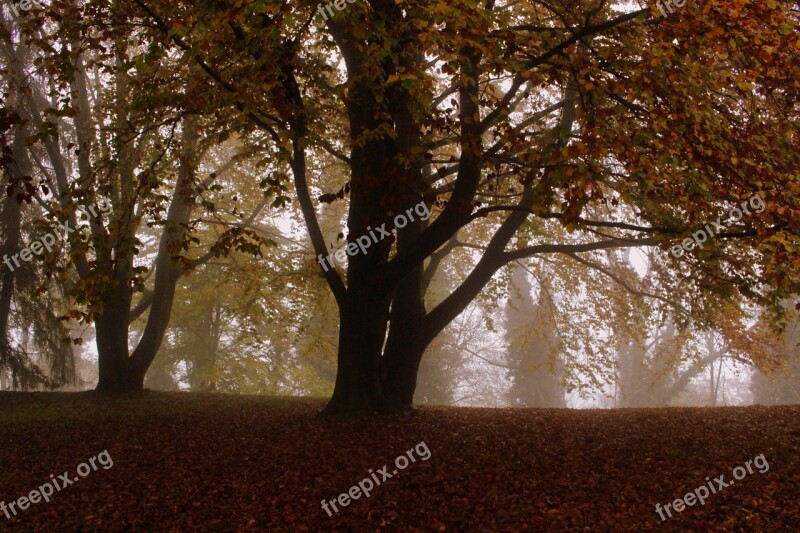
{"points": [[508, 119]]}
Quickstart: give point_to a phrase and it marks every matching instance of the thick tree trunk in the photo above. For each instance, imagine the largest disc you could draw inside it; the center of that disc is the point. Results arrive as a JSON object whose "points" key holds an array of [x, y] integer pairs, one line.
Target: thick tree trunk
{"points": [[402, 366], [405, 345], [361, 336], [117, 376], [114, 365], [383, 183], [364, 305]]}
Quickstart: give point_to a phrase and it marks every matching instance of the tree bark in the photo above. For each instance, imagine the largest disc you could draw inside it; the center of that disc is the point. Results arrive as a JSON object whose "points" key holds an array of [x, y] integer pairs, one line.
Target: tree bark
{"points": [[364, 305], [111, 326], [404, 348], [10, 215], [362, 332]]}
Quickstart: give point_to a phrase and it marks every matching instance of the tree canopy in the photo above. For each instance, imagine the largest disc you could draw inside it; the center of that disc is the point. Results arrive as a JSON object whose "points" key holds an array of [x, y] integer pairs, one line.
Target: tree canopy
{"points": [[529, 129]]}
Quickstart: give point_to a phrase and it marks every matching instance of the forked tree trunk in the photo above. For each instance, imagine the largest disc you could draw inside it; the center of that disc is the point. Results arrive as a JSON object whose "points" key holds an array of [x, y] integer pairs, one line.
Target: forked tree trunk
{"points": [[119, 371], [383, 184]]}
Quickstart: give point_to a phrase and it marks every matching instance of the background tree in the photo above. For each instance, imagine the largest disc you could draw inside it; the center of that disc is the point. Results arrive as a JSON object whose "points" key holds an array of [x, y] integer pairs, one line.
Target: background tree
{"points": [[777, 385], [34, 344], [649, 369], [535, 367], [104, 130]]}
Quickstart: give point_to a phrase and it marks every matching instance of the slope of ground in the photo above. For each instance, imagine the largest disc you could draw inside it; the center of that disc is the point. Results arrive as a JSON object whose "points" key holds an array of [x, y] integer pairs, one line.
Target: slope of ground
{"points": [[186, 462]]}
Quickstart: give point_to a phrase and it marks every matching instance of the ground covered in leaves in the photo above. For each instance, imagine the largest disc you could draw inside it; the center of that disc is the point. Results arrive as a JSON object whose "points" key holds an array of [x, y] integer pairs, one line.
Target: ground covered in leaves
{"points": [[186, 462]]}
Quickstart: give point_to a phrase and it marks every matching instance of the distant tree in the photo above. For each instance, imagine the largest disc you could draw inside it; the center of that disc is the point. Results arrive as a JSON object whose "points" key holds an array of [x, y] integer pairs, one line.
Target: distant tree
{"points": [[536, 369], [654, 371], [780, 384], [236, 330], [34, 344], [649, 373]]}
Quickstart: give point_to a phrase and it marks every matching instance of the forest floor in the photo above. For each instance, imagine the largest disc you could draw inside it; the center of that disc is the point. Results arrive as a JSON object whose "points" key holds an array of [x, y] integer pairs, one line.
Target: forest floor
{"points": [[208, 462]]}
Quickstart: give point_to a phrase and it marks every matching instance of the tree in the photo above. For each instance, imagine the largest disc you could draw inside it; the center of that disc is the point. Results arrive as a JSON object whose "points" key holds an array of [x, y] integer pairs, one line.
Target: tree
{"points": [[111, 155], [235, 328], [781, 384], [628, 130], [536, 370], [33, 347], [649, 372]]}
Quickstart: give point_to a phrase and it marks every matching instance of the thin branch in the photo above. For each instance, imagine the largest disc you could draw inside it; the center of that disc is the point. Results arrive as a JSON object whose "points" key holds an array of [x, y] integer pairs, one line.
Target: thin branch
{"points": [[623, 284], [493, 363]]}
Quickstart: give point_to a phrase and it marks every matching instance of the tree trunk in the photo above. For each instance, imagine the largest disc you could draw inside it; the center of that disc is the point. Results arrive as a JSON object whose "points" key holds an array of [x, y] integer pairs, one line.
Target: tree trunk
{"points": [[10, 218], [23, 373], [364, 305], [405, 346], [117, 376], [402, 366], [114, 366], [361, 336], [382, 185], [119, 371]]}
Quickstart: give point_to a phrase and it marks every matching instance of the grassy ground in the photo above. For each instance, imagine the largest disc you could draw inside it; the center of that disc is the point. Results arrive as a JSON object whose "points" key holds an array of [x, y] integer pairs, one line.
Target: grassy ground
{"points": [[189, 462]]}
